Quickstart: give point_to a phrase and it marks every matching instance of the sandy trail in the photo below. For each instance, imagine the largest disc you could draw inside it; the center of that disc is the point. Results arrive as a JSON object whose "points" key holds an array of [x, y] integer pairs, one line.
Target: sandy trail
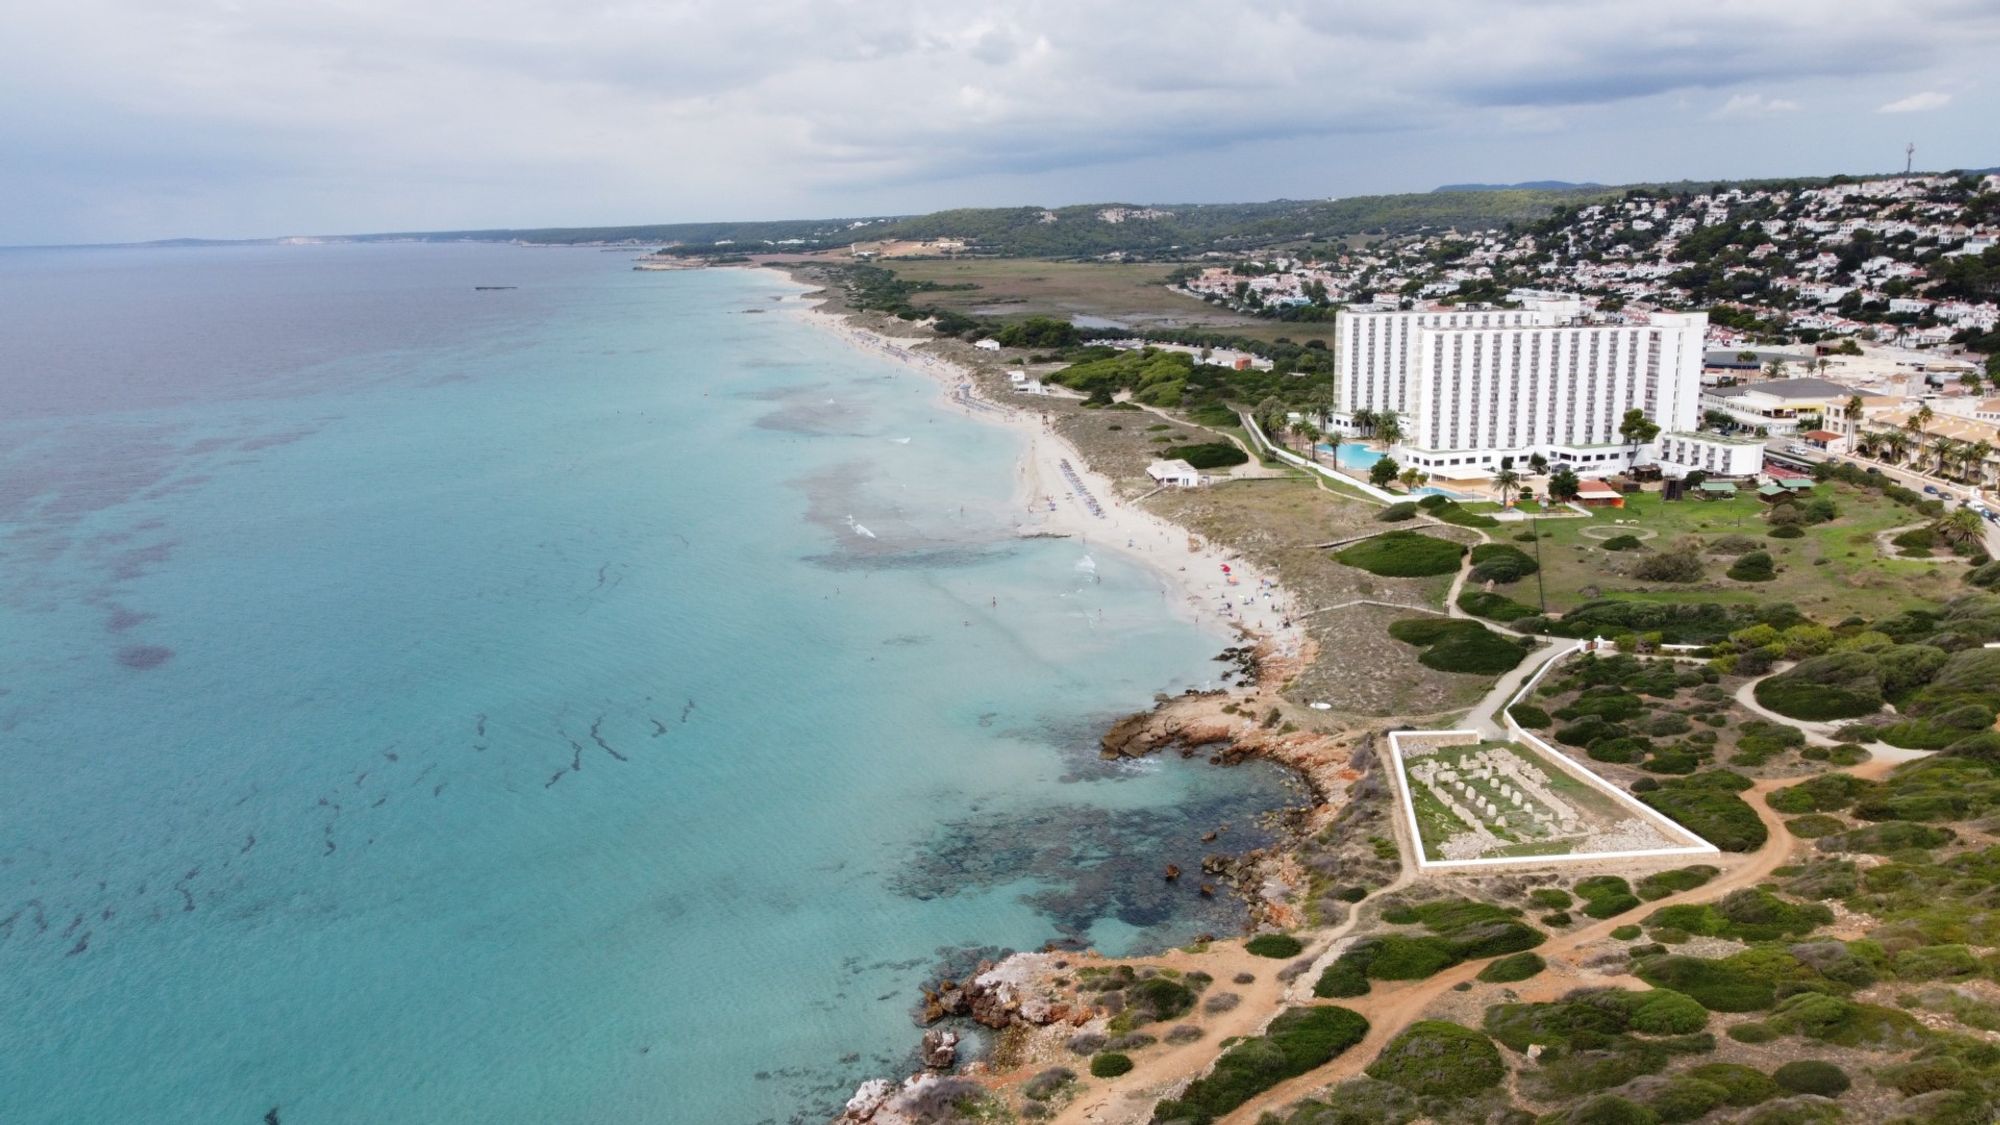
{"points": [[1392, 1007]]}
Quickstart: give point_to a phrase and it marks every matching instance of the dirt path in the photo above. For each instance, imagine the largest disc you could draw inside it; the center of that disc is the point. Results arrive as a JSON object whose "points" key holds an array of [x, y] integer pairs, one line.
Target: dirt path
{"points": [[1390, 1008]]}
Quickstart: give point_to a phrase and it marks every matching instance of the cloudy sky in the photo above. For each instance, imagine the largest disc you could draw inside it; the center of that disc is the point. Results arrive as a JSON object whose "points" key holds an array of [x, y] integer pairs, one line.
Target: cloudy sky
{"points": [[139, 119]]}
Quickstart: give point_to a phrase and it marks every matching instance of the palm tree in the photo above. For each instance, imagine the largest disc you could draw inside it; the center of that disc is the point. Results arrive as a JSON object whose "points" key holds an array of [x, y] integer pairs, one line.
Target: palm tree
{"points": [[1897, 442], [1388, 427], [1961, 528], [1364, 420], [1333, 444], [1775, 369], [1945, 450], [1507, 480], [1411, 478], [1976, 455], [1309, 434], [1853, 414]]}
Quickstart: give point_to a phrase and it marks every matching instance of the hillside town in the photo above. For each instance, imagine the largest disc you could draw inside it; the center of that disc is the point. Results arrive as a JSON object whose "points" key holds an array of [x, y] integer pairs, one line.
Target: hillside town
{"points": [[1750, 327]]}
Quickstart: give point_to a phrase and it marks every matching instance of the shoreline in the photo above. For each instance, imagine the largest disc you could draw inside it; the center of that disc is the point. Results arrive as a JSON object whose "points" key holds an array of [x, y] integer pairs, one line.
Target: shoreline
{"points": [[1023, 997], [1210, 586]]}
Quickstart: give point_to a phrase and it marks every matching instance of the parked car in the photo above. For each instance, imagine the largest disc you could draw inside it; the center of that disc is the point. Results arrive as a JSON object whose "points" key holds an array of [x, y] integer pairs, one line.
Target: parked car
{"points": [[1931, 490]]}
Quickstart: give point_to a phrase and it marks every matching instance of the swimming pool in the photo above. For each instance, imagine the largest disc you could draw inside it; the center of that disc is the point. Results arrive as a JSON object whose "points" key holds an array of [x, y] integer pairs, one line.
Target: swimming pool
{"points": [[1353, 456]]}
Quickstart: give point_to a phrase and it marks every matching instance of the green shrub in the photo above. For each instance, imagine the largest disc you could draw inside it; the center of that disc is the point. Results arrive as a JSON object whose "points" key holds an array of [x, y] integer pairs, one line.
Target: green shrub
{"points": [[1813, 825], [1549, 898], [1299, 1040], [1604, 1109], [1530, 716], [1623, 543], [1742, 1085], [1507, 970], [1845, 1023], [1439, 1059], [1828, 792], [1209, 454], [1626, 932], [1273, 945], [1342, 979], [1158, 998], [1449, 511], [1753, 567], [1458, 646], [1605, 896], [1660, 884], [1716, 985], [1731, 545], [1684, 1098], [1788, 531], [1403, 554], [1493, 606], [1886, 839], [1812, 1076], [1109, 1064], [1754, 1031], [1714, 814], [1838, 685], [1396, 513], [1936, 962], [1499, 562]]}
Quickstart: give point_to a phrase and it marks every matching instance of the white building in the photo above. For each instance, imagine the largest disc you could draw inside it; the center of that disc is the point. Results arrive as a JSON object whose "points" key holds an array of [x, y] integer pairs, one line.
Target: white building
{"points": [[1175, 474], [1679, 454], [1476, 386]]}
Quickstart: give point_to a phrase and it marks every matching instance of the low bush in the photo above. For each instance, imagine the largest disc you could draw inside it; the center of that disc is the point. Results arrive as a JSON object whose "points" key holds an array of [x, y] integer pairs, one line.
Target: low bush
{"points": [[1753, 567], [1530, 716], [1788, 531], [1710, 811], [1838, 685], [1277, 946], [1109, 1064], [1403, 554], [1750, 914], [1814, 825], [1549, 898], [1886, 839], [1499, 562], [1755, 1031], [1660, 884], [1716, 985], [1812, 1076], [1605, 896], [1507, 970], [1626, 933], [1493, 606], [1396, 513], [1209, 454], [1439, 1059], [1731, 545], [1678, 563], [1845, 1023], [1458, 646], [1829, 792], [1743, 1086], [1299, 1040], [1623, 543], [1157, 998]]}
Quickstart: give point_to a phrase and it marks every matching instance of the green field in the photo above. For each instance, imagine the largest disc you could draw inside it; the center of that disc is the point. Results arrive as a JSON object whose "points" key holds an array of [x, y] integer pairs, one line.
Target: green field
{"points": [[1136, 295], [1854, 577]]}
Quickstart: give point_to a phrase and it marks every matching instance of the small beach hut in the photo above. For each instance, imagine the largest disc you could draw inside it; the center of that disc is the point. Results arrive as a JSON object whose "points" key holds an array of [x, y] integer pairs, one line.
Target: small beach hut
{"points": [[1175, 474]]}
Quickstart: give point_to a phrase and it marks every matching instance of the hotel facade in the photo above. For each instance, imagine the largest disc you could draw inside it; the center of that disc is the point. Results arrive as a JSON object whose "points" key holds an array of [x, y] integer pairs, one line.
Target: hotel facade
{"points": [[1475, 386]]}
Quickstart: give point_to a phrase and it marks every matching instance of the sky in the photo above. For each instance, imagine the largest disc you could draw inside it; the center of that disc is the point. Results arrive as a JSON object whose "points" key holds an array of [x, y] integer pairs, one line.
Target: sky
{"points": [[127, 120]]}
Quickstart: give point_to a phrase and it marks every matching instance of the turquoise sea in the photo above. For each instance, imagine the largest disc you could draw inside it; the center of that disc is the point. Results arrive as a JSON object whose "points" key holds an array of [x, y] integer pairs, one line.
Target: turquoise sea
{"points": [[604, 699]]}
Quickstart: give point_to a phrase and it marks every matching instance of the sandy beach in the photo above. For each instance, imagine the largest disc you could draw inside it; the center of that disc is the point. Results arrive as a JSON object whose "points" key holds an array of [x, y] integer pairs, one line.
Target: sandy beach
{"points": [[1054, 495]]}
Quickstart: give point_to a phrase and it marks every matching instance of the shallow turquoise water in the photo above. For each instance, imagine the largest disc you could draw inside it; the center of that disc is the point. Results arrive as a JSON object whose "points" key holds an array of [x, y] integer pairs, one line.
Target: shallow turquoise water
{"points": [[425, 705]]}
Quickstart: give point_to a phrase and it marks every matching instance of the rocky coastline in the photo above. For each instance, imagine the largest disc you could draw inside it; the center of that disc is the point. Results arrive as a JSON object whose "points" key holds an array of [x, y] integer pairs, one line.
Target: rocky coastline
{"points": [[1036, 1003]]}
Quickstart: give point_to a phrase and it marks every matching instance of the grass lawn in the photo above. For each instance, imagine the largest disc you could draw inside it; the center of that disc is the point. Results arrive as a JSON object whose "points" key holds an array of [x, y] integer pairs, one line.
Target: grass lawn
{"points": [[1854, 577], [1130, 294]]}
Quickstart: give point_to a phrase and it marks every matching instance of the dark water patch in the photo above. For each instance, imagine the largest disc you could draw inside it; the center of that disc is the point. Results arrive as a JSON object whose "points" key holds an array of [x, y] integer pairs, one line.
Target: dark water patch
{"points": [[908, 640], [825, 418], [1090, 863], [122, 619], [873, 555], [136, 562], [144, 657]]}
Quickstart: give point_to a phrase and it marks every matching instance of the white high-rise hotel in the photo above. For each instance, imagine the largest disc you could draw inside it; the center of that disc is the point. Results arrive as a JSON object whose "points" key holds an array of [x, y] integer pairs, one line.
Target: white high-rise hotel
{"points": [[1472, 386]]}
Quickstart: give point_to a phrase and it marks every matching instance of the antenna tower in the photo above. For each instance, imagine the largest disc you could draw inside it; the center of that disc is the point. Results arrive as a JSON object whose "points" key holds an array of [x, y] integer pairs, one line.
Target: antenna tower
{"points": [[1909, 156]]}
